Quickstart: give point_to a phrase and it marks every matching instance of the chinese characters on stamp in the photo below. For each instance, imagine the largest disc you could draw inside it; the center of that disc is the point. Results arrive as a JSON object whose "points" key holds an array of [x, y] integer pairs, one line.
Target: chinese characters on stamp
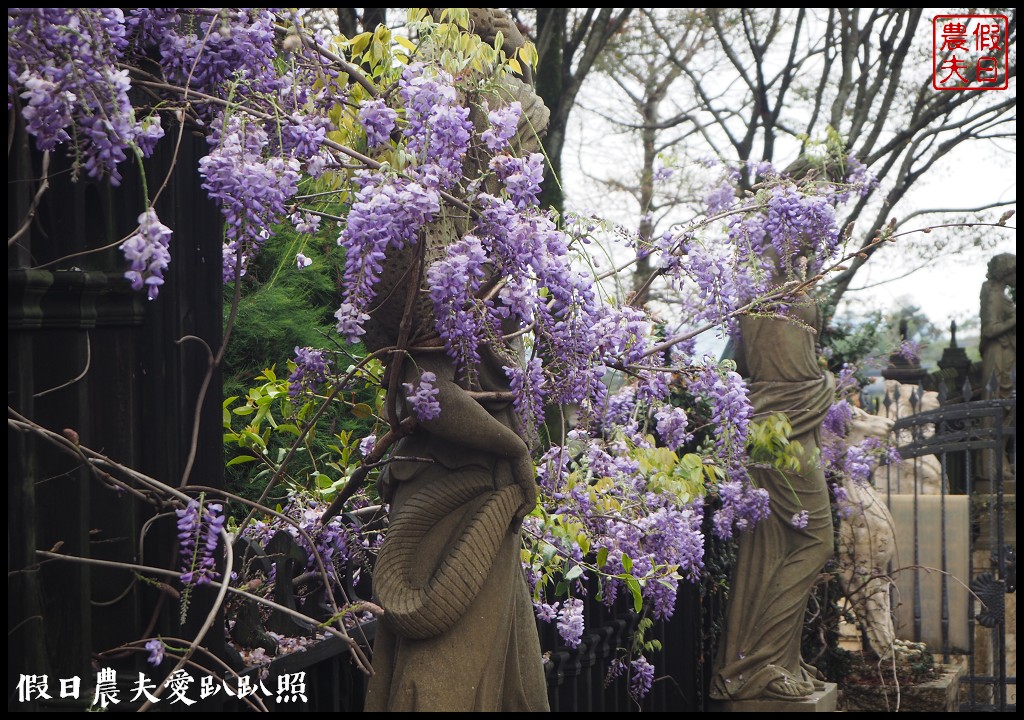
{"points": [[970, 52]]}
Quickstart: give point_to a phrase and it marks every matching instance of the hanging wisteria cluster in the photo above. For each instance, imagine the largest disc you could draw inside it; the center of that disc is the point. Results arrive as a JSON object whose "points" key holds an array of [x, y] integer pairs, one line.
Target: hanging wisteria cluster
{"points": [[199, 530], [299, 124]]}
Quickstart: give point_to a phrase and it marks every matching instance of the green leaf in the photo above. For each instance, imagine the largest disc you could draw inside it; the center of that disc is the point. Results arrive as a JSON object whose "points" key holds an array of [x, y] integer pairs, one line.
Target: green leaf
{"points": [[255, 439], [359, 42], [362, 410], [244, 410], [227, 414], [627, 563], [262, 413], [574, 572], [602, 557], [634, 587], [239, 460]]}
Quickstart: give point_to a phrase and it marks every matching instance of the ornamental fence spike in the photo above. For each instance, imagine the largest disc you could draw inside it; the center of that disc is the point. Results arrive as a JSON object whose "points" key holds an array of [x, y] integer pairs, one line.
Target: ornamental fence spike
{"points": [[916, 395]]}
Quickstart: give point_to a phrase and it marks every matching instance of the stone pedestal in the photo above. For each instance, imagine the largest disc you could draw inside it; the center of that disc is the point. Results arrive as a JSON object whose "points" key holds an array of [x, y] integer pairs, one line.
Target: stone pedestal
{"points": [[822, 701], [938, 695]]}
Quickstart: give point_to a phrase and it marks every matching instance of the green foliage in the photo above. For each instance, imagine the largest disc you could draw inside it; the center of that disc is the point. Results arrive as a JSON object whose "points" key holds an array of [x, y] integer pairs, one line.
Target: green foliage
{"points": [[850, 342], [281, 308], [866, 341], [768, 444], [262, 426]]}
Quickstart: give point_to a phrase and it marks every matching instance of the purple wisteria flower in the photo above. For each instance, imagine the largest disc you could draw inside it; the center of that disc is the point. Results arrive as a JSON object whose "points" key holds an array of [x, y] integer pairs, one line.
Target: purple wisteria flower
{"points": [[66, 60], [672, 535], [663, 173], [837, 419], [337, 542], [671, 423], [800, 520], [302, 135], [388, 212], [522, 177], [616, 669], [350, 321], [570, 622], [796, 223], [742, 507], [623, 333], [844, 507], [438, 129], [544, 612], [909, 351], [310, 371], [861, 460], [156, 652], [148, 26], [147, 252], [859, 179], [641, 678], [47, 110], [731, 412], [301, 261], [527, 385], [198, 537], [721, 287], [234, 48], [454, 282], [721, 196], [619, 408], [503, 124], [367, 444], [762, 170], [149, 133], [422, 398], [252, 190], [378, 120]]}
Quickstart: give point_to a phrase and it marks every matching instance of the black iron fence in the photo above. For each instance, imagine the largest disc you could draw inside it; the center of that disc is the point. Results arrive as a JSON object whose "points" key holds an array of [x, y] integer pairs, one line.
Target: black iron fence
{"points": [[579, 679], [953, 499]]}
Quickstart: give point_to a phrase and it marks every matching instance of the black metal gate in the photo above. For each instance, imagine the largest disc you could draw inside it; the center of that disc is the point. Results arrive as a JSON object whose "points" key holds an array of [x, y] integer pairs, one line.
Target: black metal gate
{"points": [[953, 499]]}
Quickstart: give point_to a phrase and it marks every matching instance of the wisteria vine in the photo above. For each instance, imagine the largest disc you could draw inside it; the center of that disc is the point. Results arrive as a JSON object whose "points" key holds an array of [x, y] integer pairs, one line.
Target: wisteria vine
{"points": [[383, 129]]}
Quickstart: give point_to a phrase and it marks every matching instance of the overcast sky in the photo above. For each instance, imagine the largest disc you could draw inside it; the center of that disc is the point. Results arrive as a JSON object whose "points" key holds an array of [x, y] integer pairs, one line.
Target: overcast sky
{"points": [[974, 174]]}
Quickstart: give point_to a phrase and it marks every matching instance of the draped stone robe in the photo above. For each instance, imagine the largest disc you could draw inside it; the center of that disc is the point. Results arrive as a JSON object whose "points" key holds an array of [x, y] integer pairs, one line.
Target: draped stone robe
{"points": [[778, 564]]}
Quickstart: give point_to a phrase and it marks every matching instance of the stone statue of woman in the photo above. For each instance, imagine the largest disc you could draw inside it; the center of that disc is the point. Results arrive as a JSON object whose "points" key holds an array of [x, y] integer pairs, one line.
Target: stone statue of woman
{"points": [[458, 631], [779, 560], [999, 344], [999, 325]]}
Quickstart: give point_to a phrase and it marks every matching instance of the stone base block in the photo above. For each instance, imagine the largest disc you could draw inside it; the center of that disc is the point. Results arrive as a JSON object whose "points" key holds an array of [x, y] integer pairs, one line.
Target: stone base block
{"points": [[939, 695], [823, 701]]}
